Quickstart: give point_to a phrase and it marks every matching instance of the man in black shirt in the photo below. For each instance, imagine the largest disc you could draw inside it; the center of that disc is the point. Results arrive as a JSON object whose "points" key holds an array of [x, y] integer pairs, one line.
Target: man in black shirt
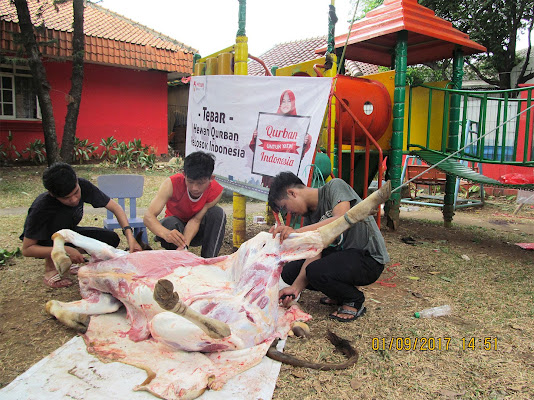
{"points": [[62, 208]]}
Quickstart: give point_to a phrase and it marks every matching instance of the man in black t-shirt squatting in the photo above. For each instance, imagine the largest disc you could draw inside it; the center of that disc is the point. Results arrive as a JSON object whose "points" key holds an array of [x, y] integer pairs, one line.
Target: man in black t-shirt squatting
{"points": [[62, 208]]}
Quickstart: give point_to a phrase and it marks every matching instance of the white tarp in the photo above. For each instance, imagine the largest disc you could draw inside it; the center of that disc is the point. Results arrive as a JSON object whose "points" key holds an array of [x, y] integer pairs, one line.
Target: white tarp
{"points": [[71, 372], [240, 119]]}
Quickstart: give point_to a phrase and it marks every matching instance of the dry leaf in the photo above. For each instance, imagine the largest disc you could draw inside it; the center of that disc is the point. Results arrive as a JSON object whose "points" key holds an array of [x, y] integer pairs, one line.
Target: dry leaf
{"points": [[434, 272], [418, 295], [449, 394], [317, 386], [517, 328], [466, 257], [299, 373], [356, 383]]}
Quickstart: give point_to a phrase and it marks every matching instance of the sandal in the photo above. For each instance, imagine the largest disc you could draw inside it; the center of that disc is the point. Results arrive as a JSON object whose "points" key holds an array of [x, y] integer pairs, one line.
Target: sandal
{"points": [[353, 314], [56, 282], [329, 302]]}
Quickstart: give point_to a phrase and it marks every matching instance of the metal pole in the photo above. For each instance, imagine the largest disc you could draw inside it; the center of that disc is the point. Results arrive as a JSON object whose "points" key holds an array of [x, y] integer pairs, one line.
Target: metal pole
{"points": [[453, 143], [240, 68], [395, 159]]}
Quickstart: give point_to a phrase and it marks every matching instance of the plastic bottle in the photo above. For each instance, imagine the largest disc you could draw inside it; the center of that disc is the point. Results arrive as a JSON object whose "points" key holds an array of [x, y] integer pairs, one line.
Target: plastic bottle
{"points": [[433, 312]]}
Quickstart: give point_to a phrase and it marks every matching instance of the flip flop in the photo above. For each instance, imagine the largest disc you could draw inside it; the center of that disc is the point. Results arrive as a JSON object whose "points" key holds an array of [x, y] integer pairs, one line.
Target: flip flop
{"points": [[353, 314], [56, 282], [75, 267], [328, 301]]}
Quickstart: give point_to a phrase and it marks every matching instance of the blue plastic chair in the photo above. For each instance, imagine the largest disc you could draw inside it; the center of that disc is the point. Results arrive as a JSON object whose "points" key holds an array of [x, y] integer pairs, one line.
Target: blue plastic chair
{"points": [[122, 187]]}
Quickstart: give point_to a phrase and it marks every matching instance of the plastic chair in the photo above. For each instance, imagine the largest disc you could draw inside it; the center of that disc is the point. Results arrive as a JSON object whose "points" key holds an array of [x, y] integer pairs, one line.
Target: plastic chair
{"points": [[122, 187]]}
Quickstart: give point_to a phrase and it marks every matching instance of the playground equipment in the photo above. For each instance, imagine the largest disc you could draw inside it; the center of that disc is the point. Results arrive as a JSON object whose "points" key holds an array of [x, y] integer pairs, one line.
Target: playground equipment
{"points": [[374, 108], [419, 173], [492, 127], [396, 28], [429, 123]]}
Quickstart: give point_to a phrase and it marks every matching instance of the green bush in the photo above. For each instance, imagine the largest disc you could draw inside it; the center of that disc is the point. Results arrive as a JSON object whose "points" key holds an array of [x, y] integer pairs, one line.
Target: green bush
{"points": [[107, 144], [83, 150], [36, 152]]}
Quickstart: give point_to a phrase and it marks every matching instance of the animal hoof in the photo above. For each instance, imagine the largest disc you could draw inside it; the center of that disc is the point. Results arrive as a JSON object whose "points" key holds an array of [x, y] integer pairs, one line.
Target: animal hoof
{"points": [[165, 295], [82, 323], [300, 329], [62, 262]]}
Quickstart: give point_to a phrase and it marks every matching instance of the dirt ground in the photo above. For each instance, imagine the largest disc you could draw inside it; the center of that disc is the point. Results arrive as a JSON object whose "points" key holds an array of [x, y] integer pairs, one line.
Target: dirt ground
{"points": [[475, 266]]}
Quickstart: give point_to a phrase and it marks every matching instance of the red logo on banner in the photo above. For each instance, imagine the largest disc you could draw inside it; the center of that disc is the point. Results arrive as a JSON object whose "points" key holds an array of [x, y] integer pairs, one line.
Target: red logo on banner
{"points": [[279, 147]]}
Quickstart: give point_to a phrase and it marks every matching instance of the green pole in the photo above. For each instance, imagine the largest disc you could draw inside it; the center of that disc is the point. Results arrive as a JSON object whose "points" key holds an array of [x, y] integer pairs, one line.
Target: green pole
{"points": [[196, 57], [453, 137], [395, 158], [242, 18], [332, 19]]}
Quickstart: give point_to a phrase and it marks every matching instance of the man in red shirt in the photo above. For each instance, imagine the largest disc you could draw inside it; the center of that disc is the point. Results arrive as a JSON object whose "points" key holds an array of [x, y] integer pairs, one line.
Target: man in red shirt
{"points": [[191, 216]]}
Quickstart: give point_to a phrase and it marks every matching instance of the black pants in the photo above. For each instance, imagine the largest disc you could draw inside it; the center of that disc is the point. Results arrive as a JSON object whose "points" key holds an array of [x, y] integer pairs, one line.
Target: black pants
{"points": [[101, 234], [210, 233], [337, 273]]}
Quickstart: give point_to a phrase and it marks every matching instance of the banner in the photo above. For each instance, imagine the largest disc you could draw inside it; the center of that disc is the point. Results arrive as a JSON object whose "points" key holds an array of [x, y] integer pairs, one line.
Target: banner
{"points": [[256, 126]]}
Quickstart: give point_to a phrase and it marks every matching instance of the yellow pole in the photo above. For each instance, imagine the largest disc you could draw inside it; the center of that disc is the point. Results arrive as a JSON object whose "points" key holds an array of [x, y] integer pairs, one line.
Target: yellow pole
{"points": [[240, 220], [200, 69], [240, 203], [211, 66], [241, 56], [224, 64]]}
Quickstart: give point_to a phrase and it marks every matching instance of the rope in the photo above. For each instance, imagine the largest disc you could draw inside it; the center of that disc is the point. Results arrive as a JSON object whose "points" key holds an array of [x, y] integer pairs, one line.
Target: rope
{"points": [[459, 150], [385, 282], [317, 176], [345, 46]]}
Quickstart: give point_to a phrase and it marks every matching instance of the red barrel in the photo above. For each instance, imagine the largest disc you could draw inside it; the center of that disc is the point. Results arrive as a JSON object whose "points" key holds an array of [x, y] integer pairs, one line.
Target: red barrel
{"points": [[369, 101]]}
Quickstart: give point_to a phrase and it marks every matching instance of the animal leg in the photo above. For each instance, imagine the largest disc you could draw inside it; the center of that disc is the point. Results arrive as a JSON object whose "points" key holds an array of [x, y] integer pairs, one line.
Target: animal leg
{"points": [[358, 213], [97, 249], [60, 258], [76, 314], [169, 300]]}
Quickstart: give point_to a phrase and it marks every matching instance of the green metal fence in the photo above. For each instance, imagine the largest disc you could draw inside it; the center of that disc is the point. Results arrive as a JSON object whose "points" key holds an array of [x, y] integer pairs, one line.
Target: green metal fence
{"points": [[493, 126]]}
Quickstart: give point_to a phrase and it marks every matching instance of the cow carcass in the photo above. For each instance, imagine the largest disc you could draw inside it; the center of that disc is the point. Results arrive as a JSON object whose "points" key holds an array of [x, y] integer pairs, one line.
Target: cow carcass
{"points": [[192, 323]]}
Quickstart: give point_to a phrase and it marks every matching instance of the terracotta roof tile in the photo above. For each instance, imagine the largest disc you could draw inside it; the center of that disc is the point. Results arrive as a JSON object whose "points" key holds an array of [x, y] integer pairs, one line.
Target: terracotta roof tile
{"points": [[298, 51], [109, 36]]}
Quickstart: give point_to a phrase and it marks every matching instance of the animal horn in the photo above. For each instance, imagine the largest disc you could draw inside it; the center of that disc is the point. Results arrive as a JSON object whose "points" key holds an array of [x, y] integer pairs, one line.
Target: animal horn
{"points": [[358, 213]]}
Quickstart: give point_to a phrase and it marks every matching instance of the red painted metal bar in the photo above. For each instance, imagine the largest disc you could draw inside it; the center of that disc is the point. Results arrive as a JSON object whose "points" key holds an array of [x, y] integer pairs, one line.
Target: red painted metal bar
{"points": [[316, 69], [367, 135], [267, 72], [352, 156], [329, 127], [368, 141], [366, 168]]}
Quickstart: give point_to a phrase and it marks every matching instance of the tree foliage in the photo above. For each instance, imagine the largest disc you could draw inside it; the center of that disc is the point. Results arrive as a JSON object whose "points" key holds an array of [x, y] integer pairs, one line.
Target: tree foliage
{"points": [[495, 24]]}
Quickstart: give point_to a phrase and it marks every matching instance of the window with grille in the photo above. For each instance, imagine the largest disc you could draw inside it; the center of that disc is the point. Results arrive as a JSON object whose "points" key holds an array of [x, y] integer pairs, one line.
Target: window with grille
{"points": [[17, 95]]}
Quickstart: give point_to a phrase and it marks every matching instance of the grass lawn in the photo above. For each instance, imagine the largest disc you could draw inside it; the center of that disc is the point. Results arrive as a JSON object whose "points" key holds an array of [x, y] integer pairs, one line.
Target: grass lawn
{"points": [[483, 350]]}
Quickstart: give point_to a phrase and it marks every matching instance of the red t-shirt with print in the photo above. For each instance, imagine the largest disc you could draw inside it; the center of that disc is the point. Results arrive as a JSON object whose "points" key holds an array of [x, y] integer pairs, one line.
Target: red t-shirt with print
{"points": [[182, 206]]}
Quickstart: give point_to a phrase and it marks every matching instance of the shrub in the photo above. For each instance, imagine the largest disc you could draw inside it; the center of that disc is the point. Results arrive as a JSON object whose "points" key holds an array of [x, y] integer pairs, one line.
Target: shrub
{"points": [[8, 152], [36, 152], [83, 150], [107, 145]]}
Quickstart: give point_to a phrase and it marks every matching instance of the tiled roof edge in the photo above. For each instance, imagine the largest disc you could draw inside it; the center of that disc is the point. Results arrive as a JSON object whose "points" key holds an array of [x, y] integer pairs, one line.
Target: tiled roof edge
{"points": [[324, 37], [143, 27]]}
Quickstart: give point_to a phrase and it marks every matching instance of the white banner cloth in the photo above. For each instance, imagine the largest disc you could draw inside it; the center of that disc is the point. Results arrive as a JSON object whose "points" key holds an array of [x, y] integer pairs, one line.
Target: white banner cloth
{"points": [[256, 126]]}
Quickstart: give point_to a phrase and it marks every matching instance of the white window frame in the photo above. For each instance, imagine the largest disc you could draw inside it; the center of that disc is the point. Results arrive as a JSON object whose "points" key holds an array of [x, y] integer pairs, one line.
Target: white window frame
{"points": [[21, 71]]}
